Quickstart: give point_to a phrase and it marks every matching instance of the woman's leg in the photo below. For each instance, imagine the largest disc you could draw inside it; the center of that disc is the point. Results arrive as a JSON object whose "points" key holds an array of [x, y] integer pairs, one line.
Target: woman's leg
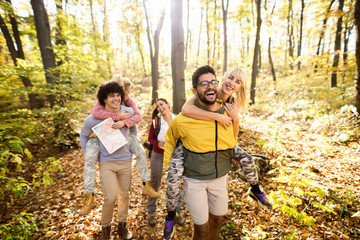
{"points": [[175, 173], [139, 151], [156, 163], [247, 165], [91, 156]]}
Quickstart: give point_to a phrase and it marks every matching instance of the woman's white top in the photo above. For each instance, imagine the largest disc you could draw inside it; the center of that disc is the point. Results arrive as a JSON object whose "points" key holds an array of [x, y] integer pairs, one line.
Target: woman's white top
{"points": [[164, 126]]}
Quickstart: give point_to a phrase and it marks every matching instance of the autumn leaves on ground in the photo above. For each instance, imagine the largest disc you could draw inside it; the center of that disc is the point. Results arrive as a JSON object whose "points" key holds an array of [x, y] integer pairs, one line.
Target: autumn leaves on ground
{"points": [[313, 184]]}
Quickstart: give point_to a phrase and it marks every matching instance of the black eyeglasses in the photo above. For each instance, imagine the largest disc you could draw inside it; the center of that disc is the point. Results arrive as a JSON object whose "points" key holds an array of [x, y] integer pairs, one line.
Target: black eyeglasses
{"points": [[206, 84]]}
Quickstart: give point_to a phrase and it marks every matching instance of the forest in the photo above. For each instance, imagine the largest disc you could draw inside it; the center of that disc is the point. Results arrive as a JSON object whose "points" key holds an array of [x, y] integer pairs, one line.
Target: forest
{"points": [[302, 123]]}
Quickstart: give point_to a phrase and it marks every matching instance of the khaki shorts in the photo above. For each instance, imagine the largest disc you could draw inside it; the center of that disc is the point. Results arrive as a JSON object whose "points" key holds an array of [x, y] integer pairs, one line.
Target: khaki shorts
{"points": [[205, 196]]}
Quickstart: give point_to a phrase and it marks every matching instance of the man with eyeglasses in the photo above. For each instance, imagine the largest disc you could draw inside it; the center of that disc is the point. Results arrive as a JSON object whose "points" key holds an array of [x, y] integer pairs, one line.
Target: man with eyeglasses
{"points": [[208, 150]]}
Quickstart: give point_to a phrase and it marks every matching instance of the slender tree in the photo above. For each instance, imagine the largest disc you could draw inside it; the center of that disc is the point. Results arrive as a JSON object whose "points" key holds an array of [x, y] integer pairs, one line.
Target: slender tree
{"points": [[177, 55], [16, 51], [322, 33], [333, 81], [199, 39], [207, 31], [290, 30], [301, 32], [44, 40], [269, 51], [225, 8], [154, 53], [256, 52], [357, 76], [188, 33]]}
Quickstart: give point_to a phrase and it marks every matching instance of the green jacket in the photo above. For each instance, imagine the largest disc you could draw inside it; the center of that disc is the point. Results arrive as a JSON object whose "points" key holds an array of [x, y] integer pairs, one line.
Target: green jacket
{"points": [[208, 146]]}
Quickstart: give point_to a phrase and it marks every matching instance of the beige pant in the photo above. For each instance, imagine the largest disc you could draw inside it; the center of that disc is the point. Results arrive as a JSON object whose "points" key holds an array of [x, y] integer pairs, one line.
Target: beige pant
{"points": [[115, 179], [205, 196]]}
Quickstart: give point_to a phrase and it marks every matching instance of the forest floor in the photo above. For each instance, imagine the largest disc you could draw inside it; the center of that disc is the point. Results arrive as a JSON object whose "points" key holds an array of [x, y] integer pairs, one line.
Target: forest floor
{"points": [[297, 147]]}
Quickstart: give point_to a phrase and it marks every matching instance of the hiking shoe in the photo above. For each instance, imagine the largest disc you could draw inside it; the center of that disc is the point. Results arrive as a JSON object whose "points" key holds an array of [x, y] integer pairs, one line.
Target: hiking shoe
{"points": [[151, 219], [148, 190], [169, 228], [260, 198], [89, 203]]}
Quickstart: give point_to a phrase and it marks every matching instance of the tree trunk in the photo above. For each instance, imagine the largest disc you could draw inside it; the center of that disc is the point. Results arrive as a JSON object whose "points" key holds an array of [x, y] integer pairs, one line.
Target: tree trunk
{"points": [[290, 34], [207, 32], [177, 55], [348, 29], [301, 32], [187, 33], [256, 52], [154, 55], [44, 40], [59, 37], [357, 77], [214, 36], [199, 40], [138, 42], [106, 37], [34, 100], [337, 49], [271, 61], [225, 11], [322, 33]]}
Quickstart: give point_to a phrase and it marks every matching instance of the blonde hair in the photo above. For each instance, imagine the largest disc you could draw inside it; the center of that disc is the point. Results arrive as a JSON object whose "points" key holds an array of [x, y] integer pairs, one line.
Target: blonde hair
{"points": [[124, 82], [240, 95]]}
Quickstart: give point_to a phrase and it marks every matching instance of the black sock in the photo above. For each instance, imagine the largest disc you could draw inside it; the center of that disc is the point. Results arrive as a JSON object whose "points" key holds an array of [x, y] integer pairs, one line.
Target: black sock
{"points": [[255, 188], [170, 215]]}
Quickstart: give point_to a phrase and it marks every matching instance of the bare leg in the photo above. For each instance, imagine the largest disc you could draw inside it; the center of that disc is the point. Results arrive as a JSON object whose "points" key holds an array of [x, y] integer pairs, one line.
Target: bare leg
{"points": [[201, 232], [215, 223]]}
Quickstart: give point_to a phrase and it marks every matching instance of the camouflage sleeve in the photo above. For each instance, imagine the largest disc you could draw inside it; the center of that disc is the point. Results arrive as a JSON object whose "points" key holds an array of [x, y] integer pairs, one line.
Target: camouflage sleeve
{"points": [[175, 173]]}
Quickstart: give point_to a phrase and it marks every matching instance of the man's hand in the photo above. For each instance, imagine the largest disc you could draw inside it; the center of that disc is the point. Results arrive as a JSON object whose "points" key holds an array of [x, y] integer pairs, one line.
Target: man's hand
{"points": [[118, 125], [124, 115]]}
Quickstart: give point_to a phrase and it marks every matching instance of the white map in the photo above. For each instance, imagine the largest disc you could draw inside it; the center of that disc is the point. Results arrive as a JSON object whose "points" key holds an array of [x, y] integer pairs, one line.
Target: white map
{"points": [[111, 138]]}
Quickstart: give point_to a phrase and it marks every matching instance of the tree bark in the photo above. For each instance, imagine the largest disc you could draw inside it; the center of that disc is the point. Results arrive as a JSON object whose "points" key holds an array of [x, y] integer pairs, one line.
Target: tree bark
{"points": [[44, 40], [290, 35], [59, 37], [34, 100], [207, 32], [301, 33], [256, 52], [333, 82], [357, 75], [188, 33], [322, 33], [177, 55], [199, 40], [154, 54], [225, 11], [138, 42], [271, 61]]}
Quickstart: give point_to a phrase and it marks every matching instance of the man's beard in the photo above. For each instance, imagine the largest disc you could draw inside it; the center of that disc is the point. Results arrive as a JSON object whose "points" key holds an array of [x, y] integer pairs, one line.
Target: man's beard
{"points": [[203, 99]]}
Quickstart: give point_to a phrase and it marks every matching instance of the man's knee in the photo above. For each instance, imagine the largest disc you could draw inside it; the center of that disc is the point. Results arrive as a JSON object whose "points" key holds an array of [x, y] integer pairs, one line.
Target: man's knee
{"points": [[215, 220]]}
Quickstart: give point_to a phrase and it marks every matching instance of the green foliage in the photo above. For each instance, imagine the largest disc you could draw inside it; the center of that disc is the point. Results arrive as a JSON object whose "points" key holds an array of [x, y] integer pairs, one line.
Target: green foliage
{"points": [[43, 171], [22, 226]]}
